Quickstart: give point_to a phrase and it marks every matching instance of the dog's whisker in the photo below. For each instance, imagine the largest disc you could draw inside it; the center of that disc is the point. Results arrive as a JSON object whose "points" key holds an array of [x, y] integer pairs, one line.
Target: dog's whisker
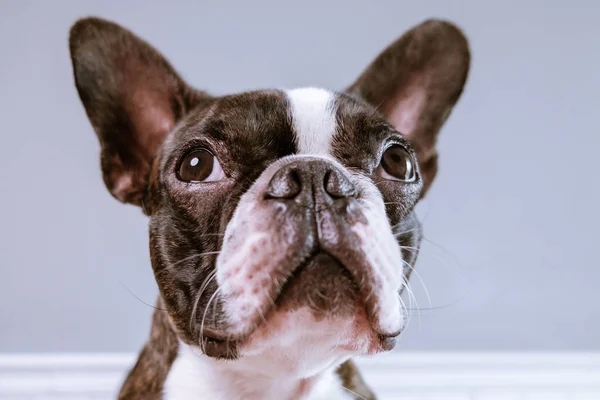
{"points": [[409, 248], [402, 304], [411, 299], [368, 297], [448, 260], [444, 250], [279, 286], [204, 317], [140, 300], [172, 266], [261, 313], [334, 349], [203, 287], [402, 233], [353, 392], [435, 308], [431, 307], [215, 303], [378, 249], [193, 256], [420, 279], [346, 389], [406, 285]]}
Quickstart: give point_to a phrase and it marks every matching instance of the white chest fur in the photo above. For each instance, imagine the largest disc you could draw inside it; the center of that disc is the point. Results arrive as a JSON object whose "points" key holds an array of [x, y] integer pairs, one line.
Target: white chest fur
{"points": [[195, 376]]}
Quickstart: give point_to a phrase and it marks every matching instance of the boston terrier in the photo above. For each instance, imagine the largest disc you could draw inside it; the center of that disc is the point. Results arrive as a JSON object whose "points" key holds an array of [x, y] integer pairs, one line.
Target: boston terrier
{"points": [[281, 222]]}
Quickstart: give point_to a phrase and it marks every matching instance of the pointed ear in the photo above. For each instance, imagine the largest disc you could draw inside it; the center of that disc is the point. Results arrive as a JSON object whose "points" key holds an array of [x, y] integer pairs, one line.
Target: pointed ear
{"points": [[133, 98], [415, 82]]}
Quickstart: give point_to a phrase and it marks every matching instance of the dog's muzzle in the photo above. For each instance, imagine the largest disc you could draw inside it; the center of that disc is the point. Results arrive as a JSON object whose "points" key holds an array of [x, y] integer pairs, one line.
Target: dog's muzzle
{"points": [[310, 234]]}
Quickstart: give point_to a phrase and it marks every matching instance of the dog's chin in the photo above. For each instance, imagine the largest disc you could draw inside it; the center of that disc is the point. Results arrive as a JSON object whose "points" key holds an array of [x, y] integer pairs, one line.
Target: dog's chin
{"points": [[320, 306], [320, 301]]}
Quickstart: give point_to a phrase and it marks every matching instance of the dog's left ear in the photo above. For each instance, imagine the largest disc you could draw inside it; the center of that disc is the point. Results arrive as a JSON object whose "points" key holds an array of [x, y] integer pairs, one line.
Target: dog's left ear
{"points": [[415, 82]]}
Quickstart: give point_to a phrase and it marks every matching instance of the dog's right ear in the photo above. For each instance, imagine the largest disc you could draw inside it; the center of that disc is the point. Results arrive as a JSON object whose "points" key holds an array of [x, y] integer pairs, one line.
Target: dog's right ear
{"points": [[133, 98]]}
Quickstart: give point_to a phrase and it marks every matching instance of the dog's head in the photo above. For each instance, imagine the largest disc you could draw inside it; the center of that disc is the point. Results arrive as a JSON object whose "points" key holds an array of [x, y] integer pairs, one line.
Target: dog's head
{"points": [[279, 219]]}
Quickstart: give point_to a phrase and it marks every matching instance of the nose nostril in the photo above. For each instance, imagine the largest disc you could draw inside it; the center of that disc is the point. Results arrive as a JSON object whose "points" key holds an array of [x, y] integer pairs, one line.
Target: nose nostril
{"points": [[295, 178], [285, 184], [327, 182], [337, 185]]}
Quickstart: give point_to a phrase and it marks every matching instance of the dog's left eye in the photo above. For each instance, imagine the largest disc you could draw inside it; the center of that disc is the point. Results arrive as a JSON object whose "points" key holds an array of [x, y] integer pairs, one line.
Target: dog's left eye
{"points": [[200, 165], [397, 164]]}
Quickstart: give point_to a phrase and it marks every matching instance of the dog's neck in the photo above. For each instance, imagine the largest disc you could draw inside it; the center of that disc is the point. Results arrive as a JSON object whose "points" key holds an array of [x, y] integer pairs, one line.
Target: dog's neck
{"points": [[254, 378], [168, 366]]}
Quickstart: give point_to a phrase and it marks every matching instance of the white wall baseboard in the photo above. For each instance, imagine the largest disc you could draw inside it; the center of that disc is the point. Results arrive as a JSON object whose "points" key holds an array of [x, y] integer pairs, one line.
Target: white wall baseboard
{"points": [[402, 376]]}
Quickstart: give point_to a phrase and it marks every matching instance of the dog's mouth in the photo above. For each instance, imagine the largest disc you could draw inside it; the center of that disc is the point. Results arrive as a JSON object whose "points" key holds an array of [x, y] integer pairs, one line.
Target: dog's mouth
{"points": [[321, 282]]}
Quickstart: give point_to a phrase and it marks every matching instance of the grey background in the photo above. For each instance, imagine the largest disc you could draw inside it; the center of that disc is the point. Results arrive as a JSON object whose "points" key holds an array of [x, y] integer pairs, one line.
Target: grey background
{"points": [[512, 218]]}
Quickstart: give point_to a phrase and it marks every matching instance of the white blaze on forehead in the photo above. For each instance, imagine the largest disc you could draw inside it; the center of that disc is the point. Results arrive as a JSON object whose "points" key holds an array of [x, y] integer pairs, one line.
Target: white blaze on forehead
{"points": [[313, 118]]}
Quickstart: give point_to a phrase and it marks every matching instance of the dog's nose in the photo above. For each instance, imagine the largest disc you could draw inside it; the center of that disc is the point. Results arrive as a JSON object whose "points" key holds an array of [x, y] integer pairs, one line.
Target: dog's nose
{"points": [[310, 180]]}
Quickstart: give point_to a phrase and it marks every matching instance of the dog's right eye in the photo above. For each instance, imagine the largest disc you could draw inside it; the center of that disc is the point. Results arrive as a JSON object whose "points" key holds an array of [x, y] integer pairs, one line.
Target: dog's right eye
{"points": [[200, 165]]}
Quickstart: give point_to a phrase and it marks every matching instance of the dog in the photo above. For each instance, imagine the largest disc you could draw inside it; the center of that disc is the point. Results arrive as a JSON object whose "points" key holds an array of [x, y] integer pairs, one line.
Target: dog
{"points": [[281, 222]]}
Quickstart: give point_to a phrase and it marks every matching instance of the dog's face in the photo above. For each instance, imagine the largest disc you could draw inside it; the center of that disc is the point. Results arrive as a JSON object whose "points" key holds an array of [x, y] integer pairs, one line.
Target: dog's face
{"points": [[278, 219]]}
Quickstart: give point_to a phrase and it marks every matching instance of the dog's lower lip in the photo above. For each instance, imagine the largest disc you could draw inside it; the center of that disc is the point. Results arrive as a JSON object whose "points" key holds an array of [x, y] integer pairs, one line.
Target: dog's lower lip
{"points": [[392, 335], [388, 342], [214, 335], [304, 264], [219, 348]]}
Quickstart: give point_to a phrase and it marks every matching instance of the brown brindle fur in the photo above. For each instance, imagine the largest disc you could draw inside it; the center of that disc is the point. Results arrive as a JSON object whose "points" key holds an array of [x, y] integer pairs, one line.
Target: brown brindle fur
{"points": [[351, 379], [145, 381]]}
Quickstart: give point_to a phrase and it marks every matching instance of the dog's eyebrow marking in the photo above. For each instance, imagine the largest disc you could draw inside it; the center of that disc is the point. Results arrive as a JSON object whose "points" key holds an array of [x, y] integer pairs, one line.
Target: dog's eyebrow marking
{"points": [[313, 119]]}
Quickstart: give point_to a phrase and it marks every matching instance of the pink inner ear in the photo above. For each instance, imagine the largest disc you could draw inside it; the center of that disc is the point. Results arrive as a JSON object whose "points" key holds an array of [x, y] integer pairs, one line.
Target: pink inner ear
{"points": [[122, 186], [153, 123], [405, 111], [152, 118], [148, 99]]}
